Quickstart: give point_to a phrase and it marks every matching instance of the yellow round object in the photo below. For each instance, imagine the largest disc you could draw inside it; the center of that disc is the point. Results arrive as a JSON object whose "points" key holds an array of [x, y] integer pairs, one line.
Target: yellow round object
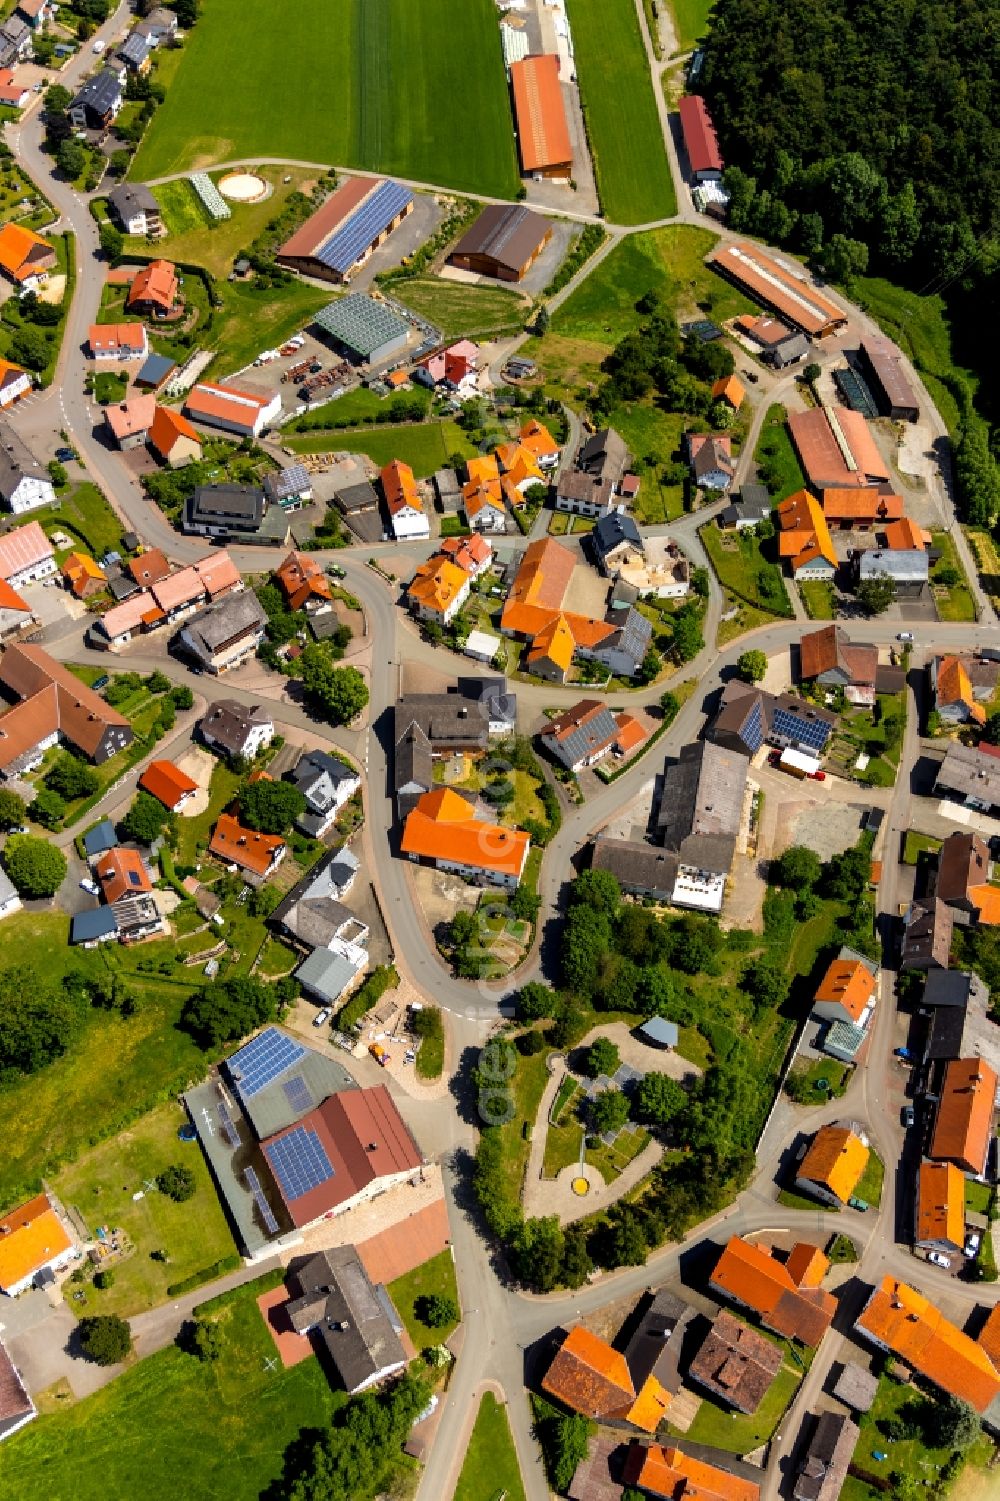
{"points": [[581, 1186]]}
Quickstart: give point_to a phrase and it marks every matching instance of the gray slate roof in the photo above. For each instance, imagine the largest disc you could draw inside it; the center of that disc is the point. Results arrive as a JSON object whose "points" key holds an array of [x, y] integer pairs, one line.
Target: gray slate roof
{"points": [[355, 1320], [224, 621], [100, 93], [701, 804], [100, 838], [229, 723], [129, 198], [319, 893], [612, 530], [328, 973], [319, 777], [17, 461]]}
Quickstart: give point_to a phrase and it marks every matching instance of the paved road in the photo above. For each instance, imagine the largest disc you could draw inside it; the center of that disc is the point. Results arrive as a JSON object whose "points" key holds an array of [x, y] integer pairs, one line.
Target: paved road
{"points": [[501, 1324]]}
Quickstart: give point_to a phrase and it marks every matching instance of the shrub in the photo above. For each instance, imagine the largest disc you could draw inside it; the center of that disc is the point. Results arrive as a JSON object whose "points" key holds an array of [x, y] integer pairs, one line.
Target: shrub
{"points": [[177, 1182], [105, 1338]]}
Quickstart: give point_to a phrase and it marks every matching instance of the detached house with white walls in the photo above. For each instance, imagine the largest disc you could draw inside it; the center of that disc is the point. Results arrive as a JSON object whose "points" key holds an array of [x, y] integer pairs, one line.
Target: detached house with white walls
{"points": [[24, 483]]}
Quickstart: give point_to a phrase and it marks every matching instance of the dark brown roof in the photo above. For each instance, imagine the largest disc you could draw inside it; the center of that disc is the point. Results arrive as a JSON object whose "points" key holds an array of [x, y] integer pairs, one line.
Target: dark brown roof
{"points": [[508, 234], [830, 648], [927, 935], [15, 1404], [823, 1468], [356, 1321], [964, 861], [736, 1363]]}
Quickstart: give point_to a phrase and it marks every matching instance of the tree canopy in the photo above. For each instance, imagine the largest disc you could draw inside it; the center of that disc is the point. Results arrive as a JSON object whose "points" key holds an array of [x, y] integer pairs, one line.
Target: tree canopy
{"points": [[271, 807], [751, 665], [337, 693], [146, 818], [36, 867], [105, 1338], [229, 1009]]}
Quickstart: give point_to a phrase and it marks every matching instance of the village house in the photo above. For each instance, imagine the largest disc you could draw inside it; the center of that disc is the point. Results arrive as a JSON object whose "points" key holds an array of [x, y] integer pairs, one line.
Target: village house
{"points": [[940, 1208], [129, 421], [97, 104], [711, 458], [964, 1122], [902, 1322], [173, 439], [443, 830], [737, 1364], [326, 783], [630, 1388], [830, 658], [26, 556], [961, 685], [226, 633], [154, 290], [35, 1246], [136, 210], [83, 576], [256, 855], [166, 782], [438, 590], [834, 1164], [589, 487], [14, 383], [407, 513], [804, 538], [25, 258], [54, 708], [24, 482], [785, 1295], [120, 342], [586, 733], [239, 731]]}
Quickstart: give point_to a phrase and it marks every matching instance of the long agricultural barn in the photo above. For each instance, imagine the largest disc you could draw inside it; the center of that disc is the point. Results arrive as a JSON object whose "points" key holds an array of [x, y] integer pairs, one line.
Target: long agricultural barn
{"points": [[363, 329], [503, 242], [776, 287], [353, 222], [836, 449], [542, 131], [700, 140], [882, 368]]}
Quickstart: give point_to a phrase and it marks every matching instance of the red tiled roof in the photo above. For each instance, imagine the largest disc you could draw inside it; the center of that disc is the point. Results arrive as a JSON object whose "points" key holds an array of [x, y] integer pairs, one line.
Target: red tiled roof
{"points": [[166, 782], [155, 283], [302, 578], [244, 847], [758, 1280], [542, 131], [167, 426], [590, 1377], [122, 872], [149, 567], [700, 140]]}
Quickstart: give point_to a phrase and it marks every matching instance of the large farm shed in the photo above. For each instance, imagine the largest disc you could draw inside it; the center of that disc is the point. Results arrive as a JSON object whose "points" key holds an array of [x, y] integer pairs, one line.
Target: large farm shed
{"points": [[344, 231], [366, 330], [542, 131], [836, 449], [700, 143], [771, 282], [503, 242], [881, 364]]}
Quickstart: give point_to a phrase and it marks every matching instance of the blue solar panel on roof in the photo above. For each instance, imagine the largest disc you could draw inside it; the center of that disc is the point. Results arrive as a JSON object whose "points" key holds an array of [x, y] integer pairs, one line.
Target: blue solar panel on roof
{"points": [[814, 733], [299, 1162], [297, 1094], [227, 1123], [364, 226], [263, 1060], [266, 1212]]}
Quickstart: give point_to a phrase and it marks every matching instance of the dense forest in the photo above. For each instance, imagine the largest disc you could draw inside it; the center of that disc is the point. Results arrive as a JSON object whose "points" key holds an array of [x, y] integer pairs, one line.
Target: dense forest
{"points": [[863, 136]]}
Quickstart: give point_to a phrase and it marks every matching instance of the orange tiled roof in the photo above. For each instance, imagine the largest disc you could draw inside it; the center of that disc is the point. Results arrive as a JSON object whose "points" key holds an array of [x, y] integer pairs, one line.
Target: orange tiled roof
{"points": [[149, 567], [30, 1236], [667, 1471], [941, 1203], [155, 283], [730, 388], [482, 469], [542, 131], [806, 1265], [437, 583], [167, 426], [11, 600], [519, 463], [476, 495], [470, 553], [244, 847], [630, 733], [847, 983], [852, 504], [79, 570], [899, 1317], [399, 486], [230, 403], [989, 1335], [302, 578], [964, 1122], [17, 245], [804, 533], [986, 900], [536, 437], [133, 415], [590, 1377], [122, 872], [757, 1279], [836, 1158], [955, 686], [441, 827], [116, 336], [906, 536], [166, 782]]}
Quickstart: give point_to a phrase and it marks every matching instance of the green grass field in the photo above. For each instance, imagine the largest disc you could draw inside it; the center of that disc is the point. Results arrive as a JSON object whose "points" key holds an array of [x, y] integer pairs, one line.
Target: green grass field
{"points": [[100, 1187], [690, 21], [417, 90], [86, 518], [954, 602], [175, 1426], [602, 311], [775, 453], [735, 1431], [490, 1468], [425, 446], [434, 1276], [626, 142], [460, 309]]}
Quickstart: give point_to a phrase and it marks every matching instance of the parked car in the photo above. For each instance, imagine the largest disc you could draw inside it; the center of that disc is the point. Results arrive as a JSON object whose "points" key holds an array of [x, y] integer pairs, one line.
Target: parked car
{"points": [[88, 885], [905, 636], [98, 47], [65, 455], [335, 571], [907, 1115], [938, 1260], [321, 1017], [861, 1204], [971, 1247]]}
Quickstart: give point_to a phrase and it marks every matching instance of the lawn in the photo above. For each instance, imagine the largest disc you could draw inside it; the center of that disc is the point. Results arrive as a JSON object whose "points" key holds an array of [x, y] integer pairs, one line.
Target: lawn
{"points": [[114, 1071], [812, 1092], [690, 21], [527, 1086], [12, 321], [193, 834], [955, 601], [978, 1196], [450, 124], [736, 1432], [434, 1276], [911, 1458], [774, 453], [357, 406], [194, 237], [85, 516], [602, 310], [743, 570], [612, 1161], [20, 201], [870, 1183], [456, 309], [623, 127], [100, 1187], [425, 446], [490, 1468], [818, 598], [176, 1426], [915, 844]]}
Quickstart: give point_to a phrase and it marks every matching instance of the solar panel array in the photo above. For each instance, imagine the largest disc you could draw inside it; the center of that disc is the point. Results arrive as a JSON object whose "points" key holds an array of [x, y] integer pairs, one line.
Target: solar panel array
{"points": [[266, 1212], [227, 1123], [855, 392], [752, 732], [263, 1060], [299, 1162], [813, 733], [360, 324], [362, 228], [298, 1094]]}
